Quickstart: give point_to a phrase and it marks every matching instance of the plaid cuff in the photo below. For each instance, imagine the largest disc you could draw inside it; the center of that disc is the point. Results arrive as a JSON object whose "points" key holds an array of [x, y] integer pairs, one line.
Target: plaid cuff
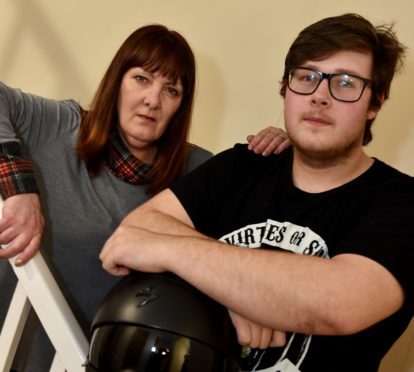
{"points": [[16, 172]]}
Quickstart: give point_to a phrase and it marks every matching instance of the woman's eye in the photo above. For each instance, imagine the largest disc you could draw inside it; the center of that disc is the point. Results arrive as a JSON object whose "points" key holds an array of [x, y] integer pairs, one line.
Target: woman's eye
{"points": [[142, 79], [171, 91]]}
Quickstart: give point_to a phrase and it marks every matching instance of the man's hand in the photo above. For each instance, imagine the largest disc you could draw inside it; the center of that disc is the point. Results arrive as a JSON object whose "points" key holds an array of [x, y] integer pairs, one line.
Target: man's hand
{"points": [[21, 227], [134, 248], [269, 140], [254, 335]]}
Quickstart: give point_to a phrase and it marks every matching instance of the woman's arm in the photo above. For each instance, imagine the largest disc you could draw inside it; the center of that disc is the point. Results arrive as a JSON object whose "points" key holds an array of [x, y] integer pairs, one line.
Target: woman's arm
{"points": [[21, 223]]}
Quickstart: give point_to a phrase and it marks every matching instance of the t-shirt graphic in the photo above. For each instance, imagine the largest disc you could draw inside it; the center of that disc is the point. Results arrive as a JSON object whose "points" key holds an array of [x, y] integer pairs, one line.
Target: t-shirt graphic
{"points": [[289, 237]]}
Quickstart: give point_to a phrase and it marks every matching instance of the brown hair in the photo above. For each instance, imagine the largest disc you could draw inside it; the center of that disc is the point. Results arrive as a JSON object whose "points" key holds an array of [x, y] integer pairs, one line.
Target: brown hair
{"points": [[350, 32], [157, 49]]}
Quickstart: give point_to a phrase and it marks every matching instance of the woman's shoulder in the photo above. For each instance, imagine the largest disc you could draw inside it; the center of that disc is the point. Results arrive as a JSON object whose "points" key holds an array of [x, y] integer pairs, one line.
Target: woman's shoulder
{"points": [[21, 101], [196, 156]]}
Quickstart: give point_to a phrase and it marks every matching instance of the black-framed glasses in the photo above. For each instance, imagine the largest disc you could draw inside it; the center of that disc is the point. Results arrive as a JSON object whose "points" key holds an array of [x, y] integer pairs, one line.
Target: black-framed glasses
{"points": [[343, 87]]}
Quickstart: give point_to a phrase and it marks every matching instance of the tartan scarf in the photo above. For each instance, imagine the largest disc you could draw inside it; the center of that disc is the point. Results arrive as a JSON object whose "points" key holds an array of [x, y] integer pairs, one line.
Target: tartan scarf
{"points": [[123, 165]]}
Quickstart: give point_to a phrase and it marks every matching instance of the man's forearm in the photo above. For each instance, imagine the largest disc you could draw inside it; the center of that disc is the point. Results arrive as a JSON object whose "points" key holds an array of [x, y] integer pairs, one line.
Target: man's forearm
{"points": [[285, 291], [162, 214]]}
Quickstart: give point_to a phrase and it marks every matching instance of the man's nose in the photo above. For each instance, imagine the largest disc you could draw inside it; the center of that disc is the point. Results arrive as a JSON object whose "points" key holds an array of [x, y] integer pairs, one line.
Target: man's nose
{"points": [[322, 94]]}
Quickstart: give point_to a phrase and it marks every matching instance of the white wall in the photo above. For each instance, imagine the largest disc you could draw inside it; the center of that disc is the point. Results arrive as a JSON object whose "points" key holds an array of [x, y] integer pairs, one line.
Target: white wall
{"points": [[60, 49]]}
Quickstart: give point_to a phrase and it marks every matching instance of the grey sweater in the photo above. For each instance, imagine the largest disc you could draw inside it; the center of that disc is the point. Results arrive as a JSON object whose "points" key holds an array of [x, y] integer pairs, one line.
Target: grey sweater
{"points": [[80, 211]]}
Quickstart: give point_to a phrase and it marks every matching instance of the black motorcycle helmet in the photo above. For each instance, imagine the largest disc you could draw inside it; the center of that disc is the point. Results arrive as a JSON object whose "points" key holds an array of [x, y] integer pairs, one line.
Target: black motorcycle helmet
{"points": [[159, 323]]}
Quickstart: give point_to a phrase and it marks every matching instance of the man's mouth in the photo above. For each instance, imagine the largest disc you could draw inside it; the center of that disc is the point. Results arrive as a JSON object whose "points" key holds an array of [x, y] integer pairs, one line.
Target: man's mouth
{"points": [[317, 119]]}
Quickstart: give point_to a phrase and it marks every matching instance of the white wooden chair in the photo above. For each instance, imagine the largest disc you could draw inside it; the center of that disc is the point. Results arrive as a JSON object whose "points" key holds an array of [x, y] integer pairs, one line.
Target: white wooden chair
{"points": [[36, 287]]}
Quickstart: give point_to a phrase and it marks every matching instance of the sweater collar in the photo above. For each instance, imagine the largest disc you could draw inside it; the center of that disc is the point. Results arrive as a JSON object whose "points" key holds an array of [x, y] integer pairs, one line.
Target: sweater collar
{"points": [[123, 165]]}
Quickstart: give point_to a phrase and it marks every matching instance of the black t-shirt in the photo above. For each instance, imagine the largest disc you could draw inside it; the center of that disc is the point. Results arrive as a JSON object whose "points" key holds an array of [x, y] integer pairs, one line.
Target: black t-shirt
{"points": [[248, 200]]}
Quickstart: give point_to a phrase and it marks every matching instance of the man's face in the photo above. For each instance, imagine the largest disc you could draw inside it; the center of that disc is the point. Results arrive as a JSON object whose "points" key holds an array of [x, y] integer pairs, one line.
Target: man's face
{"points": [[322, 128]]}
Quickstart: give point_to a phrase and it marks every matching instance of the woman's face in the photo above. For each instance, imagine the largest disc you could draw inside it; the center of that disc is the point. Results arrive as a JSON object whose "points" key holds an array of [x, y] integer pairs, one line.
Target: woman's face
{"points": [[146, 103]]}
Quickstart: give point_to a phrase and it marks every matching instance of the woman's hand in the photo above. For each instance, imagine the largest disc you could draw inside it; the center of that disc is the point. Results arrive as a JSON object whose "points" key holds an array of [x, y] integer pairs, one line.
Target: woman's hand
{"points": [[21, 227], [269, 140]]}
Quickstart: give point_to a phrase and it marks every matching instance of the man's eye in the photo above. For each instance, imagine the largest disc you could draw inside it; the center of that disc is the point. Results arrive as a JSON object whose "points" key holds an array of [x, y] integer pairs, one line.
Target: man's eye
{"points": [[309, 78], [305, 76], [345, 84]]}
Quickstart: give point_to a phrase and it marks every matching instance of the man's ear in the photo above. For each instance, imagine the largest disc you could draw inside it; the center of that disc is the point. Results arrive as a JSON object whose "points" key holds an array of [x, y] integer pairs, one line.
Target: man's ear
{"points": [[373, 111]]}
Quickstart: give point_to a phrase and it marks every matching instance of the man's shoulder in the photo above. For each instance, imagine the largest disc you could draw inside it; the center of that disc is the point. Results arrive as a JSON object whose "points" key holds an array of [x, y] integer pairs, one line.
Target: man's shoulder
{"points": [[241, 150], [389, 174], [383, 166], [239, 161], [386, 182]]}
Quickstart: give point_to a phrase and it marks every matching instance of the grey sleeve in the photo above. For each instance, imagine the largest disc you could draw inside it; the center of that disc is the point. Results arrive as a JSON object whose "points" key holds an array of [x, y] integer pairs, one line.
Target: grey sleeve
{"points": [[33, 119], [8, 100]]}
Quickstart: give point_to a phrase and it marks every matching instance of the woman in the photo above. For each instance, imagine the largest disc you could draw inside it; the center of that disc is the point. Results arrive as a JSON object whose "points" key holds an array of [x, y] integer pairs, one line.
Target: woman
{"points": [[92, 167]]}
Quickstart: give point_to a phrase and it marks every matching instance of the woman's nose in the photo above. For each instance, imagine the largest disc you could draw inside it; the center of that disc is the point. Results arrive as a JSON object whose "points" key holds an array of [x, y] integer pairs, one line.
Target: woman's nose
{"points": [[152, 97]]}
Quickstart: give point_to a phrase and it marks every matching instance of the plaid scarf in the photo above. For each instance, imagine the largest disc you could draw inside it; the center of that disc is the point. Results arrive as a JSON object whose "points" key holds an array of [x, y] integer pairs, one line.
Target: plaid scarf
{"points": [[123, 165]]}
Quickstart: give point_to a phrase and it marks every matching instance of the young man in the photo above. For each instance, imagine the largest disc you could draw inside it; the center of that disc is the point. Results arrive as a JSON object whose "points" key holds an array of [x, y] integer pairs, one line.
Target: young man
{"points": [[328, 285]]}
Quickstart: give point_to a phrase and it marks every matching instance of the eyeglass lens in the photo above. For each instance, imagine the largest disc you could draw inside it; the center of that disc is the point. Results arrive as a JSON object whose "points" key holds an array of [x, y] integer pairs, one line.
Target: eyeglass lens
{"points": [[343, 87]]}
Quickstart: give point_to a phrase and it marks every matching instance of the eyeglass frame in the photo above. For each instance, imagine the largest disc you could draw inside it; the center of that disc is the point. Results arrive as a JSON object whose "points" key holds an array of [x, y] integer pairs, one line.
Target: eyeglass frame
{"points": [[324, 75]]}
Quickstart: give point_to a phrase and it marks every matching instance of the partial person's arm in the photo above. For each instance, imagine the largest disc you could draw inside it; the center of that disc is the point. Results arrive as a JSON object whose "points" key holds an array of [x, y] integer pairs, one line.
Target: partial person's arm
{"points": [[21, 223], [278, 290], [255, 335], [21, 227], [270, 140]]}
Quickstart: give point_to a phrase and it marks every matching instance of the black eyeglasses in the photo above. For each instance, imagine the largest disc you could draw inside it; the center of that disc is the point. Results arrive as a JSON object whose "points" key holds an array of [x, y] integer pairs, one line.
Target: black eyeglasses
{"points": [[343, 87]]}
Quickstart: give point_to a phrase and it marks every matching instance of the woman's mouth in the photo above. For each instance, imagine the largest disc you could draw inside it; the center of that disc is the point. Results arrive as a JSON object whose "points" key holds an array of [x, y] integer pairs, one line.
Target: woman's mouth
{"points": [[146, 117]]}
